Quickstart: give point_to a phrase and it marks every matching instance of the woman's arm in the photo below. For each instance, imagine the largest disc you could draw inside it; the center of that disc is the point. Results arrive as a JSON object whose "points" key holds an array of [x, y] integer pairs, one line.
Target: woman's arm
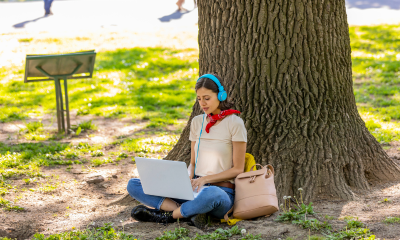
{"points": [[239, 152], [192, 161]]}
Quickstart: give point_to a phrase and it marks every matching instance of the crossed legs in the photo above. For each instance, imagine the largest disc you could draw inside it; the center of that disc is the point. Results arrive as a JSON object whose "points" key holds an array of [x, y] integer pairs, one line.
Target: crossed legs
{"points": [[213, 200]]}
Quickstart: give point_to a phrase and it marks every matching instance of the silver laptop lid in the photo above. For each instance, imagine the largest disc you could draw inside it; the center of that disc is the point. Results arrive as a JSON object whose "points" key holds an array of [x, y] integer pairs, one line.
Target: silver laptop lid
{"points": [[164, 178]]}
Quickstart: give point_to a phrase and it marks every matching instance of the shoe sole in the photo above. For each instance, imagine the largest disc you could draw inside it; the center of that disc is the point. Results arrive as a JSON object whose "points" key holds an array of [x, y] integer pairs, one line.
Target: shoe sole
{"points": [[139, 207]]}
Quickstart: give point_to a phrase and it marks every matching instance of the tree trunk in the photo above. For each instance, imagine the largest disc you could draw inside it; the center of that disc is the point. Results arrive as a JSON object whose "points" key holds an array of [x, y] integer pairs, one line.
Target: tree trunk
{"points": [[287, 66]]}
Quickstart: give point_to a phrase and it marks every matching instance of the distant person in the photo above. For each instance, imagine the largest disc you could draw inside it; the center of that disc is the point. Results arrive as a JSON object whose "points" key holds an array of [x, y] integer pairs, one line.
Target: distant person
{"points": [[179, 4], [47, 7]]}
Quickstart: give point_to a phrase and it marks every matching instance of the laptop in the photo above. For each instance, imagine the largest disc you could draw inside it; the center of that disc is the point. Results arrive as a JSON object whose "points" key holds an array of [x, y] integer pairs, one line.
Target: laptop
{"points": [[165, 178]]}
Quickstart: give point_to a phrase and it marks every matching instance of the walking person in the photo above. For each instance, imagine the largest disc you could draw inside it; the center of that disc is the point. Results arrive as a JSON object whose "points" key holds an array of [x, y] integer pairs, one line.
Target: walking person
{"points": [[47, 7], [218, 147], [179, 4]]}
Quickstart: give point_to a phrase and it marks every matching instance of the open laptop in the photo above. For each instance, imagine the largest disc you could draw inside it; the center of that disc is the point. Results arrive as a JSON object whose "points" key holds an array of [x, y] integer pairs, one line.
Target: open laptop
{"points": [[165, 178]]}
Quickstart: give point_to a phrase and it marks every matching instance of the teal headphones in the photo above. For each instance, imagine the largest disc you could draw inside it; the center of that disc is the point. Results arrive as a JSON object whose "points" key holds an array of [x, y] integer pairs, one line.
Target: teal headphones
{"points": [[221, 97], [222, 93]]}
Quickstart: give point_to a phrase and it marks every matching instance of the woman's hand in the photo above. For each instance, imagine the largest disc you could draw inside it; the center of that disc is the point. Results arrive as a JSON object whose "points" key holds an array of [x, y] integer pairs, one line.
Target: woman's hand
{"points": [[191, 171], [198, 183]]}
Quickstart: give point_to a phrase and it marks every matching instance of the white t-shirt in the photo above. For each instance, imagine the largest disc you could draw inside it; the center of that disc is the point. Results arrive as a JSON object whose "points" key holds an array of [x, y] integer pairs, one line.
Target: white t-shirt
{"points": [[215, 152]]}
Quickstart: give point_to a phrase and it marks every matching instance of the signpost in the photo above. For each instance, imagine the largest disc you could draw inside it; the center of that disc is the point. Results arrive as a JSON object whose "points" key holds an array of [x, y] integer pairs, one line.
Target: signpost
{"points": [[56, 68]]}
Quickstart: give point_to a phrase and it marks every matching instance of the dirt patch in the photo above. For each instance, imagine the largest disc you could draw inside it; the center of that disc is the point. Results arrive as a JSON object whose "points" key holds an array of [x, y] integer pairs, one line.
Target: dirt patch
{"points": [[77, 204], [107, 129]]}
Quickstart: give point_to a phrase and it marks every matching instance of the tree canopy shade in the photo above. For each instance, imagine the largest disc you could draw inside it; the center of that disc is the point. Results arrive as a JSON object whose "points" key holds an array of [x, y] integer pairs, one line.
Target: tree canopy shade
{"points": [[287, 66]]}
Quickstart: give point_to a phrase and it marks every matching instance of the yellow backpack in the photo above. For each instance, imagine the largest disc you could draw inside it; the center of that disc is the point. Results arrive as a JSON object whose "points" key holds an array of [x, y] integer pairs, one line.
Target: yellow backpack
{"points": [[249, 161]]}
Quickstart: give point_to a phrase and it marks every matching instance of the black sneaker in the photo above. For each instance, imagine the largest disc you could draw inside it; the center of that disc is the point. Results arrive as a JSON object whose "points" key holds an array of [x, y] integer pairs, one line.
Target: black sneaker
{"points": [[200, 221], [145, 207], [144, 214]]}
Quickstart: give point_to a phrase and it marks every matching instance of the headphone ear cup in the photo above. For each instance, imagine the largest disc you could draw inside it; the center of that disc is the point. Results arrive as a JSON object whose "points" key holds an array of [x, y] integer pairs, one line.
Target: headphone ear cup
{"points": [[222, 96]]}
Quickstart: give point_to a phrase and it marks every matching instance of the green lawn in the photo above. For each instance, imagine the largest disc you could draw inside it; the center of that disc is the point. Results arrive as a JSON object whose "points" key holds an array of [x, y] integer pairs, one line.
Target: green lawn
{"points": [[142, 83], [376, 77]]}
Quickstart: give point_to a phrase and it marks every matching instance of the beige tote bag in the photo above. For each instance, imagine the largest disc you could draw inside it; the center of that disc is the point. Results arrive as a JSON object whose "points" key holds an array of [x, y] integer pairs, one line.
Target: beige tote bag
{"points": [[255, 194]]}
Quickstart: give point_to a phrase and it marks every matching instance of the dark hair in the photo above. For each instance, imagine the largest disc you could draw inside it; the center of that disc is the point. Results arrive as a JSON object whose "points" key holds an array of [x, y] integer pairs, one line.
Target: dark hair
{"points": [[211, 85]]}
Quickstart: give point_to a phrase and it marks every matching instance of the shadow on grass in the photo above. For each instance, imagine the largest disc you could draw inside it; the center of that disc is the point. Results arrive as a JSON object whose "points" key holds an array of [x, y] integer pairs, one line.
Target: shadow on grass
{"points": [[22, 24], [173, 16]]}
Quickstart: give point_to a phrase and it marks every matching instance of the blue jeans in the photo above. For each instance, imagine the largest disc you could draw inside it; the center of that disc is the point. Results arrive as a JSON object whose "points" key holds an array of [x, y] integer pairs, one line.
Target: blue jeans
{"points": [[47, 5], [213, 200]]}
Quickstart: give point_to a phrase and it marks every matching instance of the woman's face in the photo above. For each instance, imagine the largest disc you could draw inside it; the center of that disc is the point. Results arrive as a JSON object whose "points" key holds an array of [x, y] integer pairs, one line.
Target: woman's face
{"points": [[208, 101]]}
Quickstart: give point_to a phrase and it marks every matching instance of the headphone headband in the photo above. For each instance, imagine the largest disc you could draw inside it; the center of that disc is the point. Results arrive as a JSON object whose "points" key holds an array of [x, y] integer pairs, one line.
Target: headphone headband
{"points": [[222, 93]]}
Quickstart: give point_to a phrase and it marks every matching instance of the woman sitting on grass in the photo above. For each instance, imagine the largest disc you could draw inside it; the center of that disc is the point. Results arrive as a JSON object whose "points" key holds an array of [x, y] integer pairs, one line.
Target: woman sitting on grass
{"points": [[220, 158]]}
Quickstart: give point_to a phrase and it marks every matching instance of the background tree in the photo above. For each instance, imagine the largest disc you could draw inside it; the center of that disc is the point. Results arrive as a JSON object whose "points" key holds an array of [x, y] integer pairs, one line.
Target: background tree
{"points": [[287, 66]]}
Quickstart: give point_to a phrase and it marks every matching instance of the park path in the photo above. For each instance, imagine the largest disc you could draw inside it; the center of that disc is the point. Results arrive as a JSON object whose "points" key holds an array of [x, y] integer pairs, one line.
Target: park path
{"points": [[93, 15], [147, 16]]}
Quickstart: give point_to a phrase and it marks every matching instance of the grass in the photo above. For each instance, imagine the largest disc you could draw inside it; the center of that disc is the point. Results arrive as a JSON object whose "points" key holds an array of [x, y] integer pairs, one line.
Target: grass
{"points": [[392, 220], [8, 206], [327, 217], [47, 187], [34, 127], [97, 153], [121, 156], [25, 40], [376, 76], [100, 161], [304, 216], [353, 230], [87, 125], [144, 146], [107, 232], [26, 158], [34, 131], [312, 224], [153, 83]]}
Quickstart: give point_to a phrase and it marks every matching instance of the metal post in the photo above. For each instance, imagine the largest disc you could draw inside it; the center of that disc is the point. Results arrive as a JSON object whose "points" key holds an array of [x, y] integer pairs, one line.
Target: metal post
{"points": [[61, 106], [59, 98], [66, 105], [57, 106]]}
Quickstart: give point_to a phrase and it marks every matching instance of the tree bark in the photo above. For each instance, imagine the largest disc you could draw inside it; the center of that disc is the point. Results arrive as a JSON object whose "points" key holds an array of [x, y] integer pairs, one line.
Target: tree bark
{"points": [[287, 66]]}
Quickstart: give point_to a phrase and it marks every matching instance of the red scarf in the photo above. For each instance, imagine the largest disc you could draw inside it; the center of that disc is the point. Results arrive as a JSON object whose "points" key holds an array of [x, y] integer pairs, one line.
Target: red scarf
{"points": [[215, 118]]}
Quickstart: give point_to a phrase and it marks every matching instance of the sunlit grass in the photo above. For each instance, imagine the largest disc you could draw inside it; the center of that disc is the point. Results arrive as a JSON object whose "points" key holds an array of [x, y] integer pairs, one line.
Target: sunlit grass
{"points": [[126, 83], [376, 75], [144, 146], [168, 140], [26, 159], [384, 131], [100, 161]]}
